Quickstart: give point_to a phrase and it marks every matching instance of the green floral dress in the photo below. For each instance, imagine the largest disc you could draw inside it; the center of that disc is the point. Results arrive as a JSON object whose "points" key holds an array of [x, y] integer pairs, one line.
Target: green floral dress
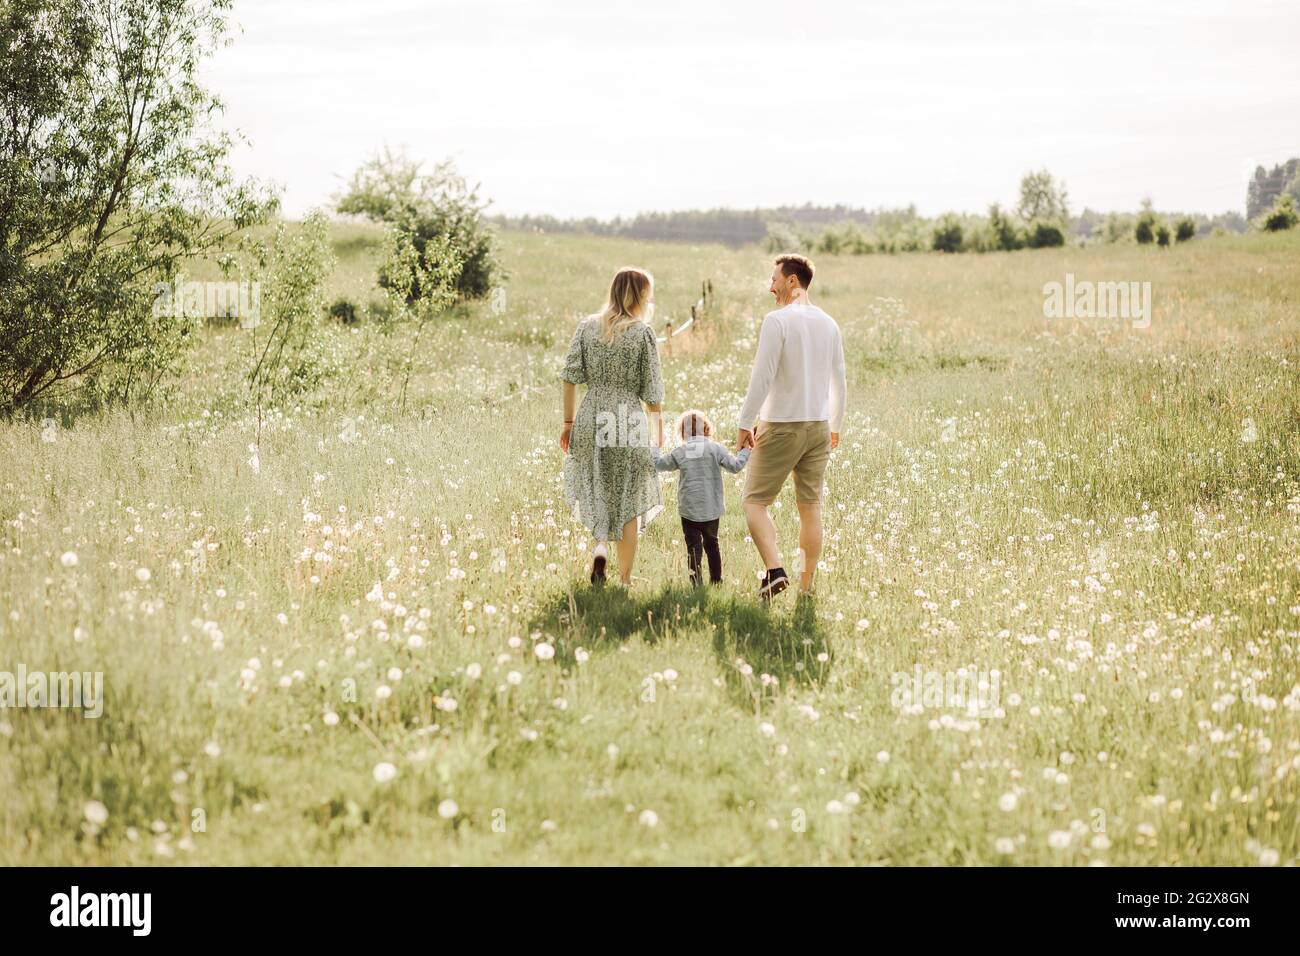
{"points": [[609, 476]]}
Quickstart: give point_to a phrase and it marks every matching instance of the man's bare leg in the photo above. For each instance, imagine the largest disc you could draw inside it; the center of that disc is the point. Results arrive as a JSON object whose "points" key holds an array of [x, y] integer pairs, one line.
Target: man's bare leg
{"points": [[763, 531], [810, 542]]}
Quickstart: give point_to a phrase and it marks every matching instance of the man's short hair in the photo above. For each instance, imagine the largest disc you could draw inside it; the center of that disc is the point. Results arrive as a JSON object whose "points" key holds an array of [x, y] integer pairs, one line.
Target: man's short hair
{"points": [[793, 264]]}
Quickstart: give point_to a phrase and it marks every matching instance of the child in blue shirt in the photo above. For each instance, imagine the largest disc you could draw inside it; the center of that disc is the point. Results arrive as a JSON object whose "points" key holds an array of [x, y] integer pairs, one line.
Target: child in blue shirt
{"points": [[699, 492]]}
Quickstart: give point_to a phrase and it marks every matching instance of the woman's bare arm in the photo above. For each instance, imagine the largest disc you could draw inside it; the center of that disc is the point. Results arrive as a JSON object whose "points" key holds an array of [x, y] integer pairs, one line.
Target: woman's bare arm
{"points": [[570, 406], [656, 422]]}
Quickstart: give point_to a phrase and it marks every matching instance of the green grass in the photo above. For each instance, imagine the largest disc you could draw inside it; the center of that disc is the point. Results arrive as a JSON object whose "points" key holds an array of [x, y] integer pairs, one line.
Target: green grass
{"points": [[1078, 506]]}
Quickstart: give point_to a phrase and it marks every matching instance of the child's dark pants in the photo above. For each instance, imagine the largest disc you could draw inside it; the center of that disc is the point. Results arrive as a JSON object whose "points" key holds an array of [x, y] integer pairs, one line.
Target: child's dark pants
{"points": [[702, 538]]}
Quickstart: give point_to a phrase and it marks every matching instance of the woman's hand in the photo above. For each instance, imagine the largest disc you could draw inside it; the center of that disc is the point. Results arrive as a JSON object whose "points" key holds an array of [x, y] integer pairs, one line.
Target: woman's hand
{"points": [[565, 434]]}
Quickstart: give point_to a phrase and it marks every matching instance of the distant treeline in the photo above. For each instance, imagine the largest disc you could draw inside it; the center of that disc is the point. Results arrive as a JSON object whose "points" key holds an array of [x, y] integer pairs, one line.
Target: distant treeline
{"points": [[1041, 218], [841, 228]]}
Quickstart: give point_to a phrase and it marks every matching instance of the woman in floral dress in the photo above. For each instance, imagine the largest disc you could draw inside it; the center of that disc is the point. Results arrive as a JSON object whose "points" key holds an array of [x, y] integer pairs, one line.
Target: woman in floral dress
{"points": [[609, 476]]}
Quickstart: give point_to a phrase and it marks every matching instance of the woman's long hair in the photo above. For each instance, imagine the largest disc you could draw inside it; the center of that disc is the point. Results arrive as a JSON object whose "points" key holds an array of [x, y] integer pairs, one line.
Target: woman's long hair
{"points": [[629, 302]]}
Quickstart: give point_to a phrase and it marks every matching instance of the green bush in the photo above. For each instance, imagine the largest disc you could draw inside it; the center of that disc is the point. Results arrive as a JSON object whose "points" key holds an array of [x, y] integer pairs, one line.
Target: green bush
{"points": [[1043, 234], [434, 211], [1162, 235], [947, 235], [1144, 231], [1185, 229], [1282, 216], [1001, 232]]}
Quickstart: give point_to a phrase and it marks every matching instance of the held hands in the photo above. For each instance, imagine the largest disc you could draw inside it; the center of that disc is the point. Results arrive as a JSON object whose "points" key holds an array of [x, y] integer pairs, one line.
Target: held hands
{"points": [[745, 439]]}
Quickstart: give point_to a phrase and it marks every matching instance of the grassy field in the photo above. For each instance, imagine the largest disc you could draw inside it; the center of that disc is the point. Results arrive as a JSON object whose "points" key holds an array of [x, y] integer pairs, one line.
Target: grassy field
{"points": [[350, 632]]}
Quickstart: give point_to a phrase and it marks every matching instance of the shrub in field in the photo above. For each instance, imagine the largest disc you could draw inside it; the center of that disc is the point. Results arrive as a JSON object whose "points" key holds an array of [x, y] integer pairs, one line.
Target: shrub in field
{"points": [[1044, 234], [1162, 235], [947, 234], [1115, 228], [1184, 229], [110, 176], [1002, 233], [1282, 216], [435, 211], [1144, 230]]}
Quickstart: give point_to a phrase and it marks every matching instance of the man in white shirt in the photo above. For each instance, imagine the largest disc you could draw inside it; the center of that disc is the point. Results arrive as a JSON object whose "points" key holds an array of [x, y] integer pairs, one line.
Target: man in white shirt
{"points": [[796, 396]]}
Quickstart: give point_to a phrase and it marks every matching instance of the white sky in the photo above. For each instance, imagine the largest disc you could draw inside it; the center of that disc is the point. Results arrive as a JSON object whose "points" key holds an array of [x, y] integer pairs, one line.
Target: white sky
{"points": [[597, 107]]}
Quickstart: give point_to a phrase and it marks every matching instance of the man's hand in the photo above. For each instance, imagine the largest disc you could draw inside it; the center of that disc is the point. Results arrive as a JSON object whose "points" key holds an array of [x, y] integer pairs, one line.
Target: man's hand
{"points": [[744, 439], [835, 440]]}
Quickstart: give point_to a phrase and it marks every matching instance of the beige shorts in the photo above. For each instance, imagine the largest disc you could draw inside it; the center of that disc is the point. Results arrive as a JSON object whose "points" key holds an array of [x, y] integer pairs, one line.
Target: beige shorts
{"points": [[783, 447]]}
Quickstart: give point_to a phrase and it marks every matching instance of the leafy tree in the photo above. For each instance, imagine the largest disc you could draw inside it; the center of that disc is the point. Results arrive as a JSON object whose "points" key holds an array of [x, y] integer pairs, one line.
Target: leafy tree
{"points": [[435, 211], [1041, 198], [1185, 229], [110, 176], [1282, 216], [1162, 235], [947, 234]]}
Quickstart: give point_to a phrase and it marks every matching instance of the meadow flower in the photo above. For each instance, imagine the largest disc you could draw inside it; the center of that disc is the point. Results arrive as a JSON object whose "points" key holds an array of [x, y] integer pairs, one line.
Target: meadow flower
{"points": [[514, 678], [383, 692], [834, 806], [1059, 839], [95, 812], [766, 729], [1007, 802], [69, 559], [212, 749], [384, 772], [649, 818], [331, 719], [142, 574], [1004, 845], [448, 809], [882, 756], [544, 651]]}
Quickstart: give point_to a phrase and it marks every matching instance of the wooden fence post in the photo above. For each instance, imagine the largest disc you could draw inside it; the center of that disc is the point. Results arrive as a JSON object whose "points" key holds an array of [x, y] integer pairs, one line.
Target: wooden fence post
{"points": [[669, 344]]}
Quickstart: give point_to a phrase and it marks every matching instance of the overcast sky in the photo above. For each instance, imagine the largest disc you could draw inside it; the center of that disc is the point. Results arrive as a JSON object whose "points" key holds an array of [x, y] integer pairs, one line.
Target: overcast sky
{"points": [[596, 107]]}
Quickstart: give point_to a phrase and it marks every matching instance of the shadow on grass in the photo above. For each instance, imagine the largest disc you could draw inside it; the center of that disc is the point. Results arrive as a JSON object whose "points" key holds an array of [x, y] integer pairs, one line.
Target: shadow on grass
{"points": [[786, 643]]}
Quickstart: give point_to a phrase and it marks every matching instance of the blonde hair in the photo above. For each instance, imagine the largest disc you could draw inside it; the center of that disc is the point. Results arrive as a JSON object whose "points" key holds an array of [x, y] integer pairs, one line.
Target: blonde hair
{"points": [[694, 423], [629, 297]]}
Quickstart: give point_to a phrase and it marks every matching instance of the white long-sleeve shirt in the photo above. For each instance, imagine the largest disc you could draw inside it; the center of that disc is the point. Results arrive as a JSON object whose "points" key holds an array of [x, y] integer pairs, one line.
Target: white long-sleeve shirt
{"points": [[798, 372]]}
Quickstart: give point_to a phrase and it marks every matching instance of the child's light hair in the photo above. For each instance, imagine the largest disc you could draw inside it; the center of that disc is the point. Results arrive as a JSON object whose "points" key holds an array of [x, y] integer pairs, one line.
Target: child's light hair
{"points": [[694, 423]]}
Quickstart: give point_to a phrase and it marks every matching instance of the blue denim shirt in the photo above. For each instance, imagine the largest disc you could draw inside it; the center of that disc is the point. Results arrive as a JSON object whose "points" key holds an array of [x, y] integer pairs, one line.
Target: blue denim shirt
{"points": [[699, 494]]}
